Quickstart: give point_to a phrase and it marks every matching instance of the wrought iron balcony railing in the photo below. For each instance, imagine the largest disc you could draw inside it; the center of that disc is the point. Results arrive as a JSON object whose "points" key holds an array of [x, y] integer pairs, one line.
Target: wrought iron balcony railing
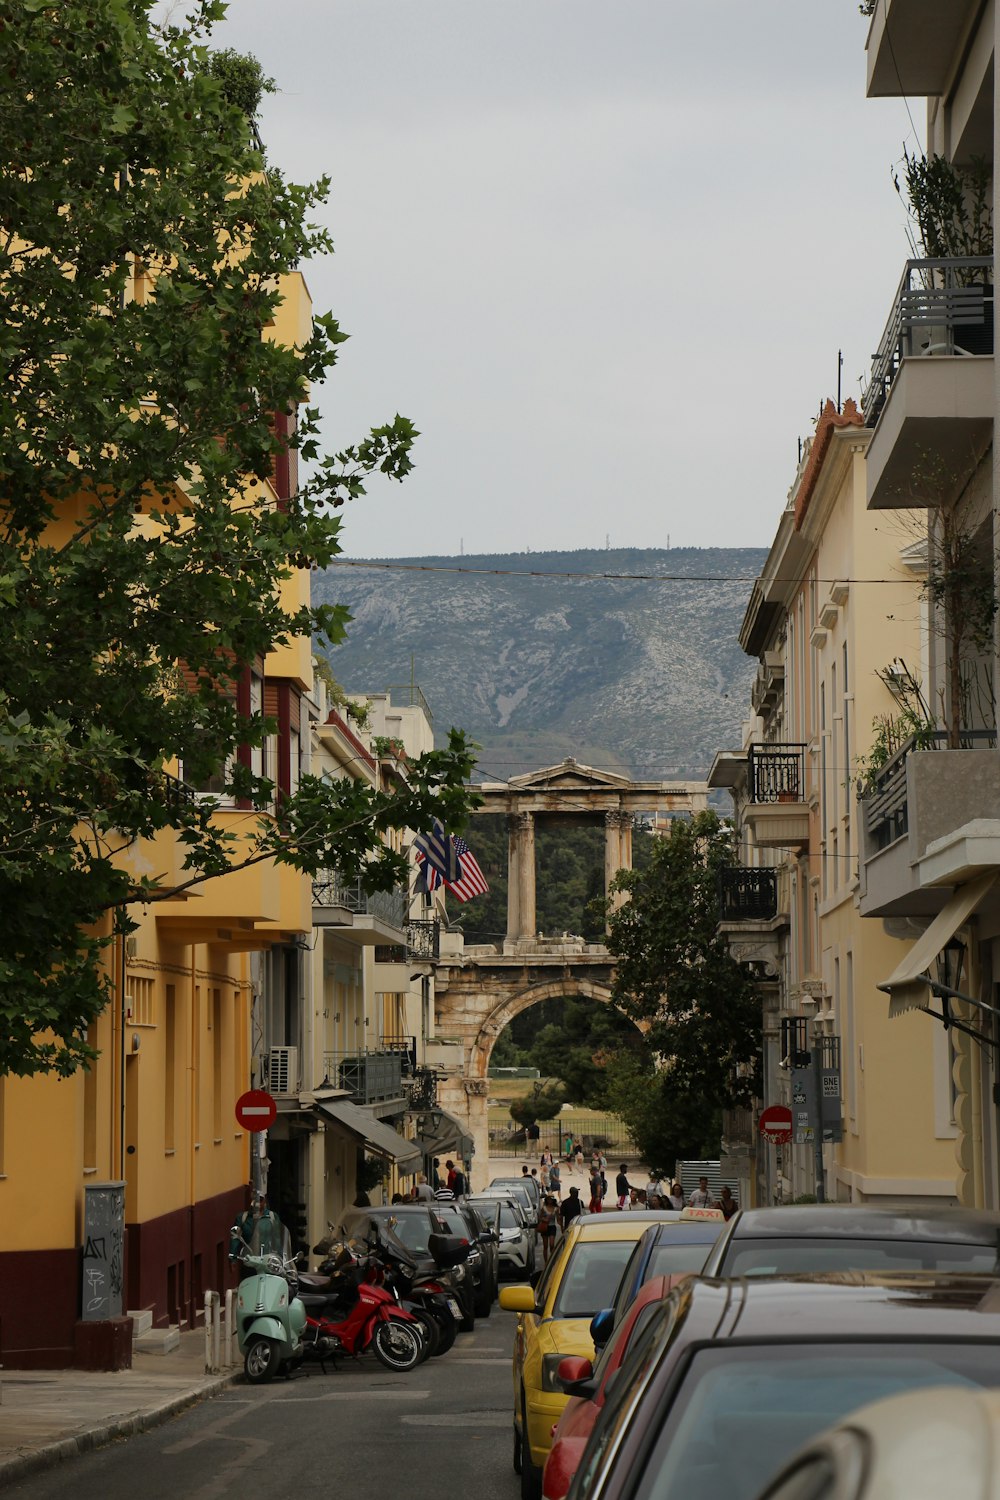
{"points": [[747, 895], [330, 889], [884, 801], [775, 773], [941, 307]]}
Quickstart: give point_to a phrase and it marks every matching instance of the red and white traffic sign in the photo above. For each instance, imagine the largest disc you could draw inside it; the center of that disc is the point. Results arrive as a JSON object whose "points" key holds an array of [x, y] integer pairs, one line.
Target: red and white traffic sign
{"points": [[775, 1124], [255, 1110]]}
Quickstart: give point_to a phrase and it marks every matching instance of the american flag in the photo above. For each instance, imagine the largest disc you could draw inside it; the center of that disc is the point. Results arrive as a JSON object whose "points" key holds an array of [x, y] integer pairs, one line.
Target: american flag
{"points": [[471, 882]]}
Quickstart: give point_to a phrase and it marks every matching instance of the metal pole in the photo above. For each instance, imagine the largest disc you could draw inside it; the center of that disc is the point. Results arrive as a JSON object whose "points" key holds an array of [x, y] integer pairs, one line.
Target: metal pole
{"points": [[816, 1116]]}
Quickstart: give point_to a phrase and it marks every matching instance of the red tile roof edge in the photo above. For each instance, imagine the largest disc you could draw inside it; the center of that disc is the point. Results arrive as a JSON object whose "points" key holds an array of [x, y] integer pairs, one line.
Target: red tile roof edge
{"points": [[829, 419]]}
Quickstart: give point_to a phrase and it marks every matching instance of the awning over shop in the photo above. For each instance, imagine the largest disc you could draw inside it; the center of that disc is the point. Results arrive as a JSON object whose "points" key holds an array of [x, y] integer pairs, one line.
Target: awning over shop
{"points": [[375, 1134], [447, 1133], [908, 986]]}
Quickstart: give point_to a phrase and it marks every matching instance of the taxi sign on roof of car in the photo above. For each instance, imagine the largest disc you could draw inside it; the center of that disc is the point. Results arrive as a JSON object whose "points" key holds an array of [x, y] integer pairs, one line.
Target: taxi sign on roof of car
{"points": [[701, 1213]]}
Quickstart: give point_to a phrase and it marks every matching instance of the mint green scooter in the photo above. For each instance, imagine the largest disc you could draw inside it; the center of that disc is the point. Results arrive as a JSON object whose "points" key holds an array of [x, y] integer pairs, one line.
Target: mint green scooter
{"points": [[269, 1317]]}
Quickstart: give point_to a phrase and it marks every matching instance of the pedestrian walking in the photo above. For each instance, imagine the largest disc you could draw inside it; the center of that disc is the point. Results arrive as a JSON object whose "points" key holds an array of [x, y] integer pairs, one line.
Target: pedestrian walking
{"points": [[422, 1191], [555, 1179], [701, 1197], [622, 1185], [727, 1203], [675, 1198], [547, 1226], [568, 1146], [596, 1192], [570, 1208]]}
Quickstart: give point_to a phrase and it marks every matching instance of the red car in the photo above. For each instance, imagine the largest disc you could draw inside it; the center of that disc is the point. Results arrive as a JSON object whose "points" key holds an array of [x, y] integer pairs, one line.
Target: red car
{"points": [[570, 1434]]}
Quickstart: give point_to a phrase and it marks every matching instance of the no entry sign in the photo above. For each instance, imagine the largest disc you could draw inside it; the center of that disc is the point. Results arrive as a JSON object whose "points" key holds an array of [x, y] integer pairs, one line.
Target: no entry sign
{"points": [[255, 1110], [775, 1124]]}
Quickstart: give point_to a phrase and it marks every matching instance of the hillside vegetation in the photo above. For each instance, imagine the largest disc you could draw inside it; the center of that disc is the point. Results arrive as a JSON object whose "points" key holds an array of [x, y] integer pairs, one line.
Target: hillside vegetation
{"points": [[644, 677]]}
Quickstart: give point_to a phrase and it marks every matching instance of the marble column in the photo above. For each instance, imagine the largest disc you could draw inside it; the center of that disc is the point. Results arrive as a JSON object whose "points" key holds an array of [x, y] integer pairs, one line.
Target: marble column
{"points": [[513, 877], [526, 876]]}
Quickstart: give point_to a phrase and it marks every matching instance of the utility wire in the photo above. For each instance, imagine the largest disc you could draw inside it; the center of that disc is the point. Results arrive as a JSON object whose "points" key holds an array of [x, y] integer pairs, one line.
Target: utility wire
{"points": [[404, 567]]}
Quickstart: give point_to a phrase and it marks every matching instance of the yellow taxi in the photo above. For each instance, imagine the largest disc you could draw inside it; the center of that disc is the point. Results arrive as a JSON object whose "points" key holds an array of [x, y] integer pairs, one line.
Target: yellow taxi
{"points": [[554, 1321]]}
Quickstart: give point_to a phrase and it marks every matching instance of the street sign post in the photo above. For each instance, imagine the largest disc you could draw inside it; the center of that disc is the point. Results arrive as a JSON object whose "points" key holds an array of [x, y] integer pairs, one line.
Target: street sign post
{"points": [[775, 1124], [255, 1110]]}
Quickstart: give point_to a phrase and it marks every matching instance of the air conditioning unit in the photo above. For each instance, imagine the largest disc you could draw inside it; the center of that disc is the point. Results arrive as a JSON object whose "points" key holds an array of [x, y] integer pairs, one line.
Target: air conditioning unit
{"points": [[283, 1070]]}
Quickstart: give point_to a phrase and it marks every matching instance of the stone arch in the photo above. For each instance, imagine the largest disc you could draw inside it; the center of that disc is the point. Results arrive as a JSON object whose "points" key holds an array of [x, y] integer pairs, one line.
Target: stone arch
{"points": [[503, 1013]]}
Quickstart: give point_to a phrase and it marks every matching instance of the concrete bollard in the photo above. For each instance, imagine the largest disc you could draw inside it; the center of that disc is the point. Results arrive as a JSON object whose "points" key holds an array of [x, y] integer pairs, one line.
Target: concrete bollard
{"points": [[211, 1333]]}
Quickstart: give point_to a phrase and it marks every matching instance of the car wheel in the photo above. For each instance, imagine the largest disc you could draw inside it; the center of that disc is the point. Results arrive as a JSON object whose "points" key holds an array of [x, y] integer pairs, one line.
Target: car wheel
{"points": [[531, 1474], [468, 1323]]}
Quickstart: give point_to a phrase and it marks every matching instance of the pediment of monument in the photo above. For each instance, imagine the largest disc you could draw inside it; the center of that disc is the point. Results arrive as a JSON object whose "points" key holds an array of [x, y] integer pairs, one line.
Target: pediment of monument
{"points": [[569, 775]]}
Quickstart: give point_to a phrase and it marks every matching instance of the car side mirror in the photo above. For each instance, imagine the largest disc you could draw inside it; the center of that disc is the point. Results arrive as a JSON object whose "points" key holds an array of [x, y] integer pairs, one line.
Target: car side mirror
{"points": [[601, 1326], [576, 1376]]}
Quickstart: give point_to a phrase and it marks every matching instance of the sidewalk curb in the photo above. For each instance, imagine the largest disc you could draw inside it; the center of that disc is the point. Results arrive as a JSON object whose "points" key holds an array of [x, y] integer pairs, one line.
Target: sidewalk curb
{"points": [[22, 1465]]}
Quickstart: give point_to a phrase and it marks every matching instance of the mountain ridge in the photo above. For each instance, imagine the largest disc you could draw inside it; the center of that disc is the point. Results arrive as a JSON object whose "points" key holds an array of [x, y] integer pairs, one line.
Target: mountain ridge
{"points": [[626, 658]]}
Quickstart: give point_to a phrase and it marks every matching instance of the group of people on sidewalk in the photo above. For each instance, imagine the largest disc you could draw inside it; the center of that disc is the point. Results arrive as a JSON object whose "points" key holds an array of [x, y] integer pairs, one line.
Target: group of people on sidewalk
{"points": [[556, 1213]]}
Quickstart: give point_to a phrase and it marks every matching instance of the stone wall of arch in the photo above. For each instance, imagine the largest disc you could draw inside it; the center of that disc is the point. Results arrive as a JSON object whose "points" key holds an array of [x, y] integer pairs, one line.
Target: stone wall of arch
{"points": [[477, 1015]]}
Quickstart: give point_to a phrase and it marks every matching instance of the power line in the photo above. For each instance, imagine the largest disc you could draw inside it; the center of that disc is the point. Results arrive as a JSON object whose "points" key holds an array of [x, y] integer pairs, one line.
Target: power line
{"points": [[401, 567]]}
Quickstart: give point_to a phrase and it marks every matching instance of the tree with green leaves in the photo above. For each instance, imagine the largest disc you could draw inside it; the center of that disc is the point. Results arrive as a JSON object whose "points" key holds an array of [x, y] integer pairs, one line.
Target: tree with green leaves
{"points": [[698, 1008], [144, 403], [543, 1103]]}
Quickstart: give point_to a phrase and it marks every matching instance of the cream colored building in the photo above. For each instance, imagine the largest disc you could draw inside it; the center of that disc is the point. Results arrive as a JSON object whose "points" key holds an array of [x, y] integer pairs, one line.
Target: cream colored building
{"points": [[823, 636], [930, 855]]}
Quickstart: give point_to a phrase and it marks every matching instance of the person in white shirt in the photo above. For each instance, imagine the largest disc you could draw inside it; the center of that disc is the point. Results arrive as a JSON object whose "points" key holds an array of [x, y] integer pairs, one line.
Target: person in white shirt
{"points": [[701, 1197]]}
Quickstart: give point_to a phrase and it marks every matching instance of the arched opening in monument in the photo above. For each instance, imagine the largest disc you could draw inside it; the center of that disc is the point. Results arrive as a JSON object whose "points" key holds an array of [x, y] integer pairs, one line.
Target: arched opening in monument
{"points": [[572, 1040]]}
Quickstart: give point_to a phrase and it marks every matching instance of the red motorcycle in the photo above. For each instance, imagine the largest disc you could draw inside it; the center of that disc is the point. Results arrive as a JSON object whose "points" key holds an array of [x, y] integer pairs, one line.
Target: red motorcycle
{"points": [[348, 1314]]}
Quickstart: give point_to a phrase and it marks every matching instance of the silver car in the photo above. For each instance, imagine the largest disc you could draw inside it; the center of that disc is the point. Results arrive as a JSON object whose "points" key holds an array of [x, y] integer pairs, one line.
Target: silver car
{"points": [[517, 1238]]}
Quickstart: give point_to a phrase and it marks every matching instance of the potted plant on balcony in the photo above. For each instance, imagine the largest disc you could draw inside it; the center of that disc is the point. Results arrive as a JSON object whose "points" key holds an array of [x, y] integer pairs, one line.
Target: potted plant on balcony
{"points": [[951, 219]]}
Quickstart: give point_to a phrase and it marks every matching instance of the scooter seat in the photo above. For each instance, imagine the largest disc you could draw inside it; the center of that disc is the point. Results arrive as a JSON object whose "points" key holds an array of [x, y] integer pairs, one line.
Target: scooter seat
{"points": [[312, 1281]]}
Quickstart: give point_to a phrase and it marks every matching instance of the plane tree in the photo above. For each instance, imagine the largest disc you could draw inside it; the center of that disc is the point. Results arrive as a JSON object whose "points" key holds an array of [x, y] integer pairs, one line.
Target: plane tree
{"points": [[144, 404]]}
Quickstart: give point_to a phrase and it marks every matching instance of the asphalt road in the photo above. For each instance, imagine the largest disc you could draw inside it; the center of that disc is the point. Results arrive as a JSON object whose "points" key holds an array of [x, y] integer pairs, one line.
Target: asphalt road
{"points": [[360, 1430]]}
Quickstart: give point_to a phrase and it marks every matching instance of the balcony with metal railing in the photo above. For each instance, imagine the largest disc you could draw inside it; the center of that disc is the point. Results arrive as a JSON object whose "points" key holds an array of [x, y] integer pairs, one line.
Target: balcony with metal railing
{"points": [[777, 811], [373, 1075], [930, 396], [924, 820], [747, 895], [376, 917]]}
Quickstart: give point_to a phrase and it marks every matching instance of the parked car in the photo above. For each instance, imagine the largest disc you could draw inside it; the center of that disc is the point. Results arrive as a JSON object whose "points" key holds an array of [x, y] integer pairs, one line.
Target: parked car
{"points": [[463, 1219], [581, 1277], [519, 1188], [516, 1249], [677, 1246], [895, 1447], [856, 1237], [414, 1224], [731, 1377], [586, 1386]]}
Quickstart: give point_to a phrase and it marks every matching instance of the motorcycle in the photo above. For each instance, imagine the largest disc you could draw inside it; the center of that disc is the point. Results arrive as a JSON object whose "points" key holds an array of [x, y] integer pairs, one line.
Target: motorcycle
{"points": [[426, 1285], [270, 1319], [349, 1313]]}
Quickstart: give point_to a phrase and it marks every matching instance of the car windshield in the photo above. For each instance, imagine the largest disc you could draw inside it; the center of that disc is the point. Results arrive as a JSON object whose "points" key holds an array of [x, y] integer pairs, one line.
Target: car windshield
{"points": [[741, 1411], [508, 1217], [675, 1256], [771, 1257], [452, 1219], [591, 1277], [414, 1230]]}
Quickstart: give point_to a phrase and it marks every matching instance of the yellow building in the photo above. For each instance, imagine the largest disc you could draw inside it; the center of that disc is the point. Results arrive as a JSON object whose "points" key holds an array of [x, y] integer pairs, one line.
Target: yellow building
{"points": [[156, 1112]]}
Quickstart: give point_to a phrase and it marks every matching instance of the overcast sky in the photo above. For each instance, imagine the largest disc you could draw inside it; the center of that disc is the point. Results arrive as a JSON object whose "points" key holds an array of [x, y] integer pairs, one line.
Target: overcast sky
{"points": [[602, 252]]}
